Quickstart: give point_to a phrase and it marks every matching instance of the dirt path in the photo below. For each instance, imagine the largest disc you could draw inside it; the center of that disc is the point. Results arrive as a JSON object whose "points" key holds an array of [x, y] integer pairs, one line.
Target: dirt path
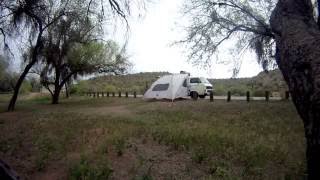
{"points": [[106, 110], [146, 158]]}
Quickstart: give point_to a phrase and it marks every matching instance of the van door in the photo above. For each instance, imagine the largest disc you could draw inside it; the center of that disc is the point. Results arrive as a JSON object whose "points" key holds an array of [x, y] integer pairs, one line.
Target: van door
{"points": [[194, 84]]}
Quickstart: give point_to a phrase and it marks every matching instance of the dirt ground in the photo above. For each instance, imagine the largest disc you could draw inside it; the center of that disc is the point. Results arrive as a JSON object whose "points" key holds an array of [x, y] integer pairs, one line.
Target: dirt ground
{"points": [[126, 138], [142, 158]]}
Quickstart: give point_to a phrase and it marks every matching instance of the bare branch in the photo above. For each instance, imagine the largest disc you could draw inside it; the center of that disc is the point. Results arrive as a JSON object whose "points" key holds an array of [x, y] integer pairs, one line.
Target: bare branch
{"points": [[214, 22]]}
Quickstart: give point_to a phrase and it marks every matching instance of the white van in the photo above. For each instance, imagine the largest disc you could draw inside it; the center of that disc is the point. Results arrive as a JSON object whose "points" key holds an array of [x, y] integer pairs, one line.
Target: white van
{"points": [[198, 87], [174, 86]]}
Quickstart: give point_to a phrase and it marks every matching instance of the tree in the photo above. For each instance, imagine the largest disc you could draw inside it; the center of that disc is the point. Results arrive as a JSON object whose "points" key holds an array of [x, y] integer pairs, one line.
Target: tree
{"points": [[84, 59], [76, 27], [29, 12], [297, 35], [291, 38], [38, 15]]}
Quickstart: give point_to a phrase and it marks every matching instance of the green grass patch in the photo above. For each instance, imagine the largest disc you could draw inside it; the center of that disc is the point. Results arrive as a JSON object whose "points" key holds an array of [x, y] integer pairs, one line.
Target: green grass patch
{"points": [[85, 169], [236, 140]]}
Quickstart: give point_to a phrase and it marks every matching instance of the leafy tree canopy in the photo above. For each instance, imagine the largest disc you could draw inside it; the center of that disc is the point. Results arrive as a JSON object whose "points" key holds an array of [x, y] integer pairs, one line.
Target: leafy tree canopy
{"points": [[97, 57]]}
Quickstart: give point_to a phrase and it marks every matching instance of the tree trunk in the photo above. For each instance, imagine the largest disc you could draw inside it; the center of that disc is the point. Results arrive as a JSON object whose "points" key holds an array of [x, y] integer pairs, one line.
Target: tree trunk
{"points": [[67, 90], [298, 58], [57, 87], [56, 95], [34, 59], [14, 97]]}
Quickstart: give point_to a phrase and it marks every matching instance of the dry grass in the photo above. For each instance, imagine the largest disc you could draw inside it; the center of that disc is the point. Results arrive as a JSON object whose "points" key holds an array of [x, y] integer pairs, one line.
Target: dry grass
{"points": [[120, 138]]}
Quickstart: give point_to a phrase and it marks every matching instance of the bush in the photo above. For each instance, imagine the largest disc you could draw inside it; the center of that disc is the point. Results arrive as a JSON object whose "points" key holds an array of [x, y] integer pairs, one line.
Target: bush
{"points": [[219, 90], [25, 88], [110, 88], [238, 91], [80, 88], [74, 90]]}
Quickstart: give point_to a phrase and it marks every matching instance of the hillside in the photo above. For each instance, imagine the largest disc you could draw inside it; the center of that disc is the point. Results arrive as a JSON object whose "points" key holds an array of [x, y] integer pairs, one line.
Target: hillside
{"points": [[131, 82], [271, 81]]}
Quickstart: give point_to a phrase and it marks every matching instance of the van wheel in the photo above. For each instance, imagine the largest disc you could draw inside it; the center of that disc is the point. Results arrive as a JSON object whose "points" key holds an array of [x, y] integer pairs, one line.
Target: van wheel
{"points": [[202, 96], [194, 95]]}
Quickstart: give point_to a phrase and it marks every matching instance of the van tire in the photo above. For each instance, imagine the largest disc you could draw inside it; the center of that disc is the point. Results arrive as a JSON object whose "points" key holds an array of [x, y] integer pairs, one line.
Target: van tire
{"points": [[194, 95], [202, 96]]}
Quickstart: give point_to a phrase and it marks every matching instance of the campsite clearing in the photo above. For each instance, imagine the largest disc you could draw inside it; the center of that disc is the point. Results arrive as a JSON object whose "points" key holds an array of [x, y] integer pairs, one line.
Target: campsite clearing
{"points": [[127, 138]]}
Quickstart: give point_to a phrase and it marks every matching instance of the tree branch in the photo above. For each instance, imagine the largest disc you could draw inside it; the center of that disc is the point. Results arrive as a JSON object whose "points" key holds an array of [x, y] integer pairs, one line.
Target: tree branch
{"points": [[116, 7], [234, 5], [54, 20], [65, 79], [88, 9], [48, 88]]}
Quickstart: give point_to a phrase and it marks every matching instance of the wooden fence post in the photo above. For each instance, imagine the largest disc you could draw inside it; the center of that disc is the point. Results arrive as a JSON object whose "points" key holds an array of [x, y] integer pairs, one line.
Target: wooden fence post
{"points": [[267, 96], [248, 96], [127, 94], [229, 96], [135, 94], [211, 96], [102, 94], [119, 93], [108, 94], [287, 95], [98, 94]]}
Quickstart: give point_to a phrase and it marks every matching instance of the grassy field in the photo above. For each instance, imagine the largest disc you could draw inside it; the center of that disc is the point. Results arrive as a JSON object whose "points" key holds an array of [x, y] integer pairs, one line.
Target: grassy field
{"points": [[120, 138]]}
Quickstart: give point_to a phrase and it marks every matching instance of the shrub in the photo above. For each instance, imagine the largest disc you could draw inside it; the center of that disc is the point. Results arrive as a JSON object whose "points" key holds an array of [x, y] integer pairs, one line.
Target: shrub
{"points": [[110, 88], [119, 143], [25, 88], [81, 87]]}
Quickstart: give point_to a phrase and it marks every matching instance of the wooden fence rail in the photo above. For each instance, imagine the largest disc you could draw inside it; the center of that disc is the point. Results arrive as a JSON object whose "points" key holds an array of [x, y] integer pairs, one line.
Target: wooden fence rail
{"points": [[107, 94], [229, 96]]}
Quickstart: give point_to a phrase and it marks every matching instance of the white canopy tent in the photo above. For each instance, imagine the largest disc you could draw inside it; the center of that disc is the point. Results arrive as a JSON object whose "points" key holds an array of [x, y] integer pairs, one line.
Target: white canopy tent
{"points": [[171, 87]]}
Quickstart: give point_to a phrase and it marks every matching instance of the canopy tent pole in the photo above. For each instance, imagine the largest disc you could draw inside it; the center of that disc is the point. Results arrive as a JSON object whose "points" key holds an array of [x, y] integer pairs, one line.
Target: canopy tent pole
{"points": [[172, 95]]}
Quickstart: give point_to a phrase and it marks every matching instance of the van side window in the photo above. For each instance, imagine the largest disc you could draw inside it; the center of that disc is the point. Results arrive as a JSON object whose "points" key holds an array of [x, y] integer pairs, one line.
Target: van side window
{"points": [[184, 83], [195, 80], [160, 87]]}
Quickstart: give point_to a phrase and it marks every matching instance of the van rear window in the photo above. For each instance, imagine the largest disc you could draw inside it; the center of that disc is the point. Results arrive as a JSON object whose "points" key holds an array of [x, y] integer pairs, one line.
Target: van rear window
{"points": [[160, 87]]}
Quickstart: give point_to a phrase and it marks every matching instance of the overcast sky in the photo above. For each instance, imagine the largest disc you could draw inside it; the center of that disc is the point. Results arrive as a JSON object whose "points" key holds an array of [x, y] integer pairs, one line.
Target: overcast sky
{"points": [[149, 45]]}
